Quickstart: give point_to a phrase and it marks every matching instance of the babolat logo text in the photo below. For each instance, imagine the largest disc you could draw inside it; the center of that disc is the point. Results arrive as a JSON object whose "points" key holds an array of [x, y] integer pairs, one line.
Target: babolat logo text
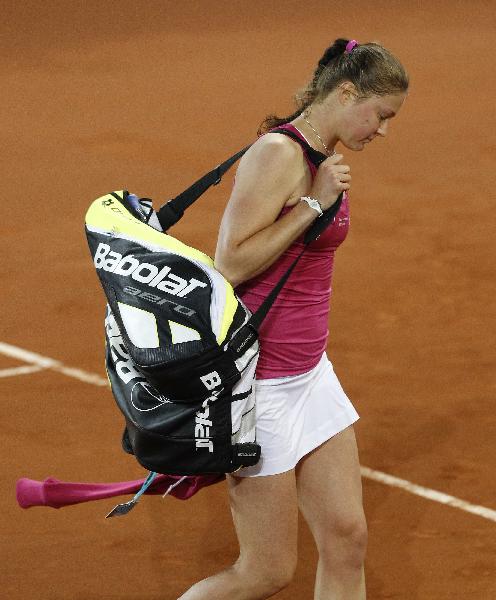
{"points": [[128, 266], [123, 364], [202, 421]]}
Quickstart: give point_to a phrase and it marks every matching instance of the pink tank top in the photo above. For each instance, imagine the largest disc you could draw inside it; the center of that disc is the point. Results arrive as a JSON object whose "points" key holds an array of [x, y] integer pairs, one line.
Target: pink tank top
{"points": [[294, 333]]}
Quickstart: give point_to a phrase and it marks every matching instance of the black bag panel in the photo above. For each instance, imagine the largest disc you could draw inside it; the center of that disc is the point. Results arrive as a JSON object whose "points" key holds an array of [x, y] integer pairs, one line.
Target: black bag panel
{"points": [[147, 409], [178, 456], [172, 275], [191, 379], [170, 437], [151, 359], [149, 405], [126, 442], [208, 419], [195, 378], [176, 438], [186, 456], [155, 281]]}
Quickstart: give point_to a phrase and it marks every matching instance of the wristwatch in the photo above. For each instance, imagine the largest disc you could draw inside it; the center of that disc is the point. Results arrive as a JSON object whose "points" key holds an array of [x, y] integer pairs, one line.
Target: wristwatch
{"points": [[312, 203]]}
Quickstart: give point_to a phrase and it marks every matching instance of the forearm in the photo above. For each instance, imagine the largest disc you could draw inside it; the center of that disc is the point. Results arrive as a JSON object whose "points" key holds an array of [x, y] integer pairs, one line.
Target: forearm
{"points": [[254, 255]]}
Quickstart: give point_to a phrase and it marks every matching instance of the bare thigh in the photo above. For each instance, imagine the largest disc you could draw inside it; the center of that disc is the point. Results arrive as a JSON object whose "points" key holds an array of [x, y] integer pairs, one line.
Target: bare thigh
{"points": [[265, 516], [330, 488]]}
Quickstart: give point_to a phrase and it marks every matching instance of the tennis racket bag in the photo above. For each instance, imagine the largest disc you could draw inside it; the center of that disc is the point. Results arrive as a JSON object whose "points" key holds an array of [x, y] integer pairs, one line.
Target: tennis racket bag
{"points": [[181, 348]]}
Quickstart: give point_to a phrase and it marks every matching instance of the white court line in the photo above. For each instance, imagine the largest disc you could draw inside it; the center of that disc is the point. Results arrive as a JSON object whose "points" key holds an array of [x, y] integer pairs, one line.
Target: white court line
{"points": [[418, 490], [49, 363], [24, 370], [44, 362]]}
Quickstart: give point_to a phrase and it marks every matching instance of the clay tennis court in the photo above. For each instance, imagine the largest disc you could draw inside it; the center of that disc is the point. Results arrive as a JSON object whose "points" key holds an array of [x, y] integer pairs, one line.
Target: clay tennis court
{"points": [[99, 96]]}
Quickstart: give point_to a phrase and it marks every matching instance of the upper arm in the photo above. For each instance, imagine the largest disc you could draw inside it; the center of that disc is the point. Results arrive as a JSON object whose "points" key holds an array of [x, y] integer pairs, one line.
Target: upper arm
{"points": [[267, 177]]}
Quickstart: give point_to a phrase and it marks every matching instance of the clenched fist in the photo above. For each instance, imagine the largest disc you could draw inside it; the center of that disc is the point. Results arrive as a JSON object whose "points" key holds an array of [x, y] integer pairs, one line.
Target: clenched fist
{"points": [[331, 179]]}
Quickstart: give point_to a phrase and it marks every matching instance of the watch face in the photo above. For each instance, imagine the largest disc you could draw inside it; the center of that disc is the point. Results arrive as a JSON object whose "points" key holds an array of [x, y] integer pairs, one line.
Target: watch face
{"points": [[313, 204]]}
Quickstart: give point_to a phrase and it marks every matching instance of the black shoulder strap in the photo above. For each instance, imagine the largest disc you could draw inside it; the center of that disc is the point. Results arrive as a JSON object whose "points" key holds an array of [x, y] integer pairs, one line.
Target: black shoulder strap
{"points": [[172, 211], [320, 224], [314, 155], [248, 334]]}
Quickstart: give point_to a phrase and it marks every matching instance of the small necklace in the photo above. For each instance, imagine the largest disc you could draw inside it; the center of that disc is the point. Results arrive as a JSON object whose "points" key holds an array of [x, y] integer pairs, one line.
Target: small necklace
{"points": [[318, 136]]}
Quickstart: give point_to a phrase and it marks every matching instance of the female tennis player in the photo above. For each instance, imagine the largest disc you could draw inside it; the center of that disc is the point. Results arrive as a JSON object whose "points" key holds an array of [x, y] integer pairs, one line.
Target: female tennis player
{"points": [[304, 418]]}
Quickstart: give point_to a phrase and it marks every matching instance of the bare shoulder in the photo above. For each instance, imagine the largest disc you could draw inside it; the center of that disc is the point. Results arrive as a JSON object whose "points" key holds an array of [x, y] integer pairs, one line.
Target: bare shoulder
{"points": [[272, 149], [268, 176], [277, 140]]}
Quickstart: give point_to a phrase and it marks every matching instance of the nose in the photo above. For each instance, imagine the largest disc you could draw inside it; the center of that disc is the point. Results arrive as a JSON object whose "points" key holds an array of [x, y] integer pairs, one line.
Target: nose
{"points": [[383, 128]]}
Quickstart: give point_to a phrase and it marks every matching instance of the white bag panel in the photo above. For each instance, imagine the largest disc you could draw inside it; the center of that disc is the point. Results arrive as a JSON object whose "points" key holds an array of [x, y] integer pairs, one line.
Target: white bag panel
{"points": [[243, 412], [244, 420], [245, 362], [141, 326], [181, 333]]}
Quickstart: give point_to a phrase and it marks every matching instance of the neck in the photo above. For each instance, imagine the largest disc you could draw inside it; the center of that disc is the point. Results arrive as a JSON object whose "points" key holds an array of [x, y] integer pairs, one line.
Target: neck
{"points": [[314, 122]]}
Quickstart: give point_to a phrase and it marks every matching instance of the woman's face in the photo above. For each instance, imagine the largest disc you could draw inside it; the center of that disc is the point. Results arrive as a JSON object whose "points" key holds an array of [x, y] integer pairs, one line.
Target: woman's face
{"points": [[365, 119]]}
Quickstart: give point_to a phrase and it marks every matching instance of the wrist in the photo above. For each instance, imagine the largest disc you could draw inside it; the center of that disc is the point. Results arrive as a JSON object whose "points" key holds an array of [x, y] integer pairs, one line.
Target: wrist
{"points": [[313, 203]]}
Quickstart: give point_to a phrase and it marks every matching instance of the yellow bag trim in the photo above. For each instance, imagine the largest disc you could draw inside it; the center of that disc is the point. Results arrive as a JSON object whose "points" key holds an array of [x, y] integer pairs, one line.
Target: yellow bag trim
{"points": [[230, 306], [109, 215], [106, 214]]}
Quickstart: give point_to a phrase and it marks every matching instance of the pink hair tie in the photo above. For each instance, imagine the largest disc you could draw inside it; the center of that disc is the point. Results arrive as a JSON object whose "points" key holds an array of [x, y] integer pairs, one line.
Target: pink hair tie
{"points": [[350, 45]]}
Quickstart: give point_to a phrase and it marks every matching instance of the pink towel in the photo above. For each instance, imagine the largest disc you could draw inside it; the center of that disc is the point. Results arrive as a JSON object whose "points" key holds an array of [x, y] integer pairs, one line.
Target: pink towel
{"points": [[56, 494]]}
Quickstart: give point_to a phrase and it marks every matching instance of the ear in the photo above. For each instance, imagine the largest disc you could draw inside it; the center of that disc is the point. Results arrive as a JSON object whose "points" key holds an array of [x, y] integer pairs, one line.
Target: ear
{"points": [[347, 93]]}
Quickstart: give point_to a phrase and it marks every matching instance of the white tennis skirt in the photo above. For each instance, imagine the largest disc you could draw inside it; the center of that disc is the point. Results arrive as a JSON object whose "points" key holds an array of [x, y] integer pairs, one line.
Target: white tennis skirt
{"points": [[295, 415]]}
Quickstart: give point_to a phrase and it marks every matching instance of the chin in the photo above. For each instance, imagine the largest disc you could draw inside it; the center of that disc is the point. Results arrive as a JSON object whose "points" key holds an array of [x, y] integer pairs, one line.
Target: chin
{"points": [[354, 146]]}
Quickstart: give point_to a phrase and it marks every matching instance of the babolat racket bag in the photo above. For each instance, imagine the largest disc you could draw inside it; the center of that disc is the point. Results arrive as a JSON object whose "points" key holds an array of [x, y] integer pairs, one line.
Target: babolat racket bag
{"points": [[181, 348]]}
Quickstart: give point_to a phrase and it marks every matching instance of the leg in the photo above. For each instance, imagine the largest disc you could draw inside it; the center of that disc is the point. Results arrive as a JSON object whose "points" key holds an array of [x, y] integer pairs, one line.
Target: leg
{"points": [[330, 498], [265, 516]]}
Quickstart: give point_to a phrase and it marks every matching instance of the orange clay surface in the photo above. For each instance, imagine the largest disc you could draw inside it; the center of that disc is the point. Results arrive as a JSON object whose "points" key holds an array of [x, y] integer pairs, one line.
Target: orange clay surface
{"points": [[98, 96]]}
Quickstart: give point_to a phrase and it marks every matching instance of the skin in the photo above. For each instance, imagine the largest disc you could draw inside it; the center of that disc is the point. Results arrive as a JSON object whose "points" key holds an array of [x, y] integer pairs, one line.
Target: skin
{"points": [[273, 174], [326, 484], [265, 516], [345, 117]]}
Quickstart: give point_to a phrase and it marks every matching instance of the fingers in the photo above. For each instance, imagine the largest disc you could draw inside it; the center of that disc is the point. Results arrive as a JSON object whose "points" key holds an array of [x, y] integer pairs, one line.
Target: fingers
{"points": [[332, 164], [331, 179], [334, 159], [343, 181]]}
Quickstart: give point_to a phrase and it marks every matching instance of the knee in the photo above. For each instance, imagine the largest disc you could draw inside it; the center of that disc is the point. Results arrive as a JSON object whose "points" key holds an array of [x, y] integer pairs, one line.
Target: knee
{"points": [[345, 542]]}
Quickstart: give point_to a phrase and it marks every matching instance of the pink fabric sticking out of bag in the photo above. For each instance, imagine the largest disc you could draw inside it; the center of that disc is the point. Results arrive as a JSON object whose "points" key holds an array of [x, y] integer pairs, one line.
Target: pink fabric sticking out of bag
{"points": [[56, 494]]}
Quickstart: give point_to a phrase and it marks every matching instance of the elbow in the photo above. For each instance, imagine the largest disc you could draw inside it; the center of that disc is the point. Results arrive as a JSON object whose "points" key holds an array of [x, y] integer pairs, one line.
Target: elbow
{"points": [[229, 272], [230, 268], [233, 264]]}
